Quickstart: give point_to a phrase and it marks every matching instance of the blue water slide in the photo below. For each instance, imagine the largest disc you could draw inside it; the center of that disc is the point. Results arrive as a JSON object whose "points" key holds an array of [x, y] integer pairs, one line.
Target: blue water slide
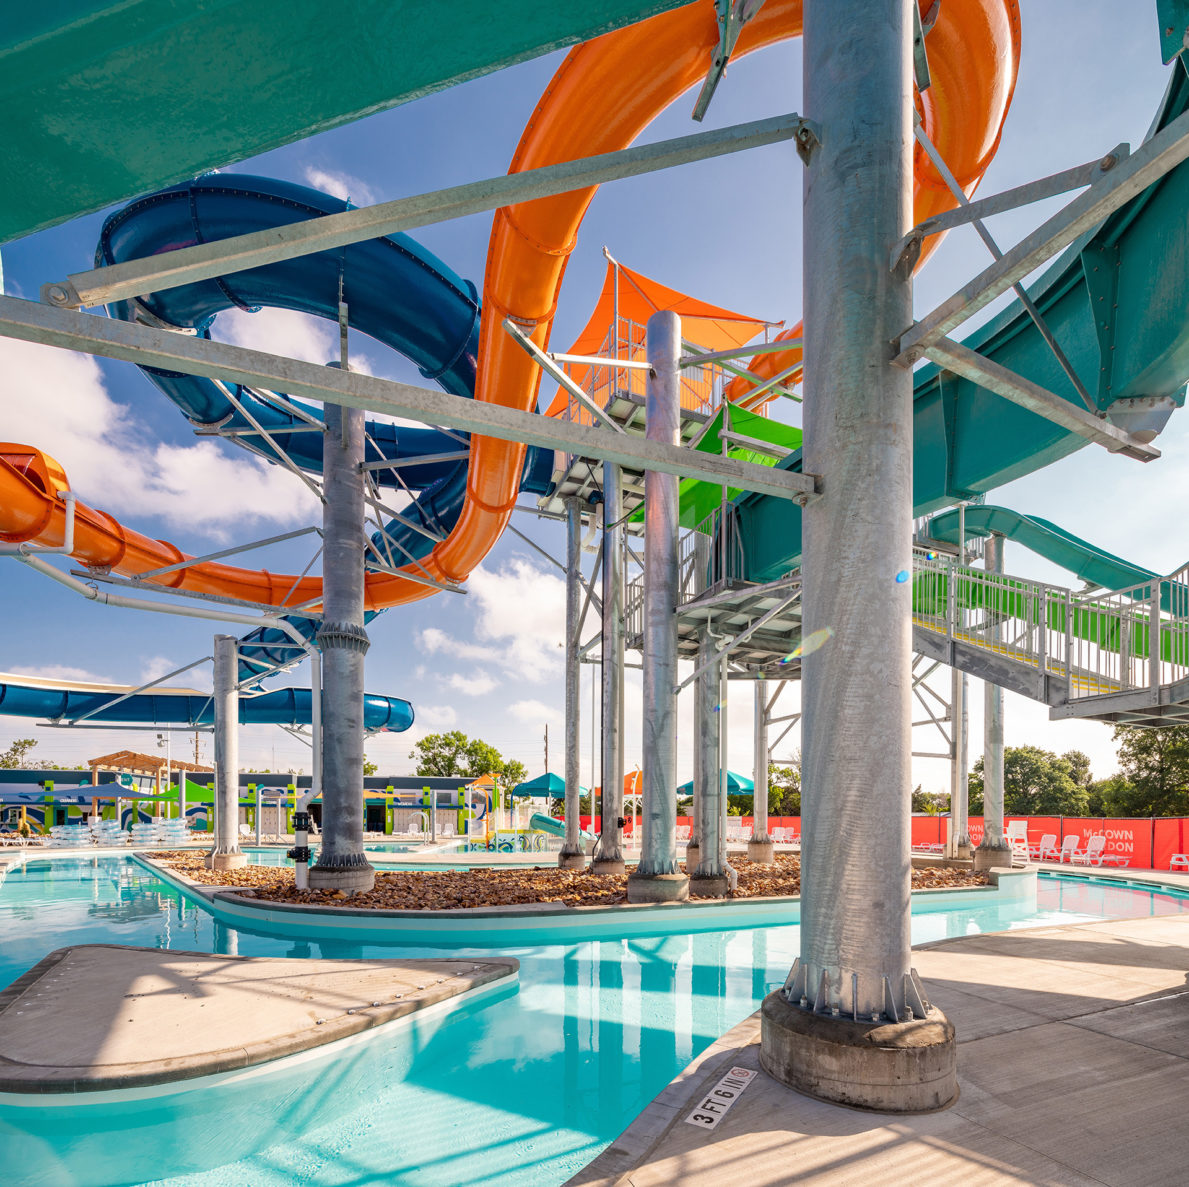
{"points": [[396, 292], [282, 706]]}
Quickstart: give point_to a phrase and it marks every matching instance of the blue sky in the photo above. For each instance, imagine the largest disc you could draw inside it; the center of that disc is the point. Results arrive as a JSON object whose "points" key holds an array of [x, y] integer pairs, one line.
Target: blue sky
{"points": [[729, 231]]}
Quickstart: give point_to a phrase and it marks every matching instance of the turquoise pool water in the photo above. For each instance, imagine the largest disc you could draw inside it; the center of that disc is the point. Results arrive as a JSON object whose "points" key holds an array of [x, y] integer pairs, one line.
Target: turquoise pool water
{"points": [[522, 1088]]}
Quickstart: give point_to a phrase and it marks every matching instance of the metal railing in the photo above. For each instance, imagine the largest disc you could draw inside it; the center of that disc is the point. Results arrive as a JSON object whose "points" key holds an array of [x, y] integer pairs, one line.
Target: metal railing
{"points": [[1119, 641]]}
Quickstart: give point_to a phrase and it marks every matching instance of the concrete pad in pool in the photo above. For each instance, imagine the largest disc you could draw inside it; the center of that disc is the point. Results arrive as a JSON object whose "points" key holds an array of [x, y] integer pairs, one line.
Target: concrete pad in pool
{"points": [[99, 1017]]}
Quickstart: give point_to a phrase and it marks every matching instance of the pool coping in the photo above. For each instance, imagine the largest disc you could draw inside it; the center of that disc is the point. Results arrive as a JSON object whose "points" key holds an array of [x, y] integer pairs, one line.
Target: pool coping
{"points": [[528, 919], [459, 981]]}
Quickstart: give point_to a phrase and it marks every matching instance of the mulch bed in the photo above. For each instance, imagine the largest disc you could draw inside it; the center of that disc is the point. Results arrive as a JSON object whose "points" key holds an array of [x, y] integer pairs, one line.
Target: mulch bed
{"points": [[444, 890]]}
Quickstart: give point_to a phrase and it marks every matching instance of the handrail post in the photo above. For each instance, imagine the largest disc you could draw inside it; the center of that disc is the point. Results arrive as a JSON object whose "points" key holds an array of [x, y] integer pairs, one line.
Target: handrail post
{"points": [[1154, 640]]}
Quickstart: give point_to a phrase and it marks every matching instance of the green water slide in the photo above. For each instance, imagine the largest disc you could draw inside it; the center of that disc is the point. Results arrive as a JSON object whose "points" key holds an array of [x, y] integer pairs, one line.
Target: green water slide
{"points": [[1117, 300], [101, 100], [1077, 556]]}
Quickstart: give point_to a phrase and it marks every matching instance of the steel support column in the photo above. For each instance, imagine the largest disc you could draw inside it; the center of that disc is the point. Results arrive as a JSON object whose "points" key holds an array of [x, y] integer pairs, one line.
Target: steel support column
{"points": [[657, 875], [610, 846], [760, 848], [958, 844], [709, 879], [701, 580], [342, 863], [993, 849], [572, 855], [226, 854], [854, 972]]}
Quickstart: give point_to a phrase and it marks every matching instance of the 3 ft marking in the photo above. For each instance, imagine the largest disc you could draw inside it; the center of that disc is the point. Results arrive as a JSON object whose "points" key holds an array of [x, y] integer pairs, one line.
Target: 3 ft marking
{"points": [[720, 1098]]}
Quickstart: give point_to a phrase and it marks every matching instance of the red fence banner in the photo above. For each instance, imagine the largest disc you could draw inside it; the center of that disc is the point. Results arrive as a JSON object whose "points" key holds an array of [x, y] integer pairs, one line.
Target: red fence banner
{"points": [[1170, 837], [929, 830]]}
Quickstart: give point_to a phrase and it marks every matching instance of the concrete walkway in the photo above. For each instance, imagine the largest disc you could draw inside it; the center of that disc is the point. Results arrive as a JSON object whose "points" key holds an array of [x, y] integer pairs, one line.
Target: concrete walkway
{"points": [[1073, 1066], [102, 1016]]}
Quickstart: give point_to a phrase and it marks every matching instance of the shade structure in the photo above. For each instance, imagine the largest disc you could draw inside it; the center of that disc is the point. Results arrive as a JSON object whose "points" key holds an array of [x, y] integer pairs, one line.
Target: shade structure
{"points": [[736, 785], [636, 298], [548, 786]]}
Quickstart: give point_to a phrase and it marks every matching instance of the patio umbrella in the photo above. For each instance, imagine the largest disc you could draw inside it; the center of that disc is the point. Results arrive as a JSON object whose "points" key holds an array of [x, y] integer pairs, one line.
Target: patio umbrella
{"points": [[548, 786], [736, 785]]}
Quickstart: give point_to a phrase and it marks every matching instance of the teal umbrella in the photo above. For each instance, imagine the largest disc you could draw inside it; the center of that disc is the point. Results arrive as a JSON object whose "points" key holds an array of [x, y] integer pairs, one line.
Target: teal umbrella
{"points": [[547, 786], [736, 785]]}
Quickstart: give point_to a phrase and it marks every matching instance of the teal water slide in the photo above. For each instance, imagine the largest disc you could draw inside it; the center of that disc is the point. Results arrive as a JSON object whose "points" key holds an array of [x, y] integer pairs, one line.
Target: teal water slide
{"points": [[1117, 301]]}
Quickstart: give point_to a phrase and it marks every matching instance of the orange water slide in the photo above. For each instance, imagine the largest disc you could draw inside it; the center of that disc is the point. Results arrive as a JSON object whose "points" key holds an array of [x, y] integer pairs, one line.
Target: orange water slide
{"points": [[603, 96], [607, 91]]}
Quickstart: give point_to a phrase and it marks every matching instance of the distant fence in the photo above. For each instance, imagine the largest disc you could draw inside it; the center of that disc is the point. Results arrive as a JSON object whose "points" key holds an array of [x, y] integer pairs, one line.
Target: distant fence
{"points": [[1147, 843]]}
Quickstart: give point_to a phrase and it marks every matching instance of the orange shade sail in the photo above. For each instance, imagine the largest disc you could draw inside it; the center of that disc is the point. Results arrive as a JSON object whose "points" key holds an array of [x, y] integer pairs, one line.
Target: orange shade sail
{"points": [[710, 326]]}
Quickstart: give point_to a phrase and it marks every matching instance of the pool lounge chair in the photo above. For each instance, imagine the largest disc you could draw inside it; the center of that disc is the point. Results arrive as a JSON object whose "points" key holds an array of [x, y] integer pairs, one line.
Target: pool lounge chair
{"points": [[1095, 854], [1047, 850], [1070, 849]]}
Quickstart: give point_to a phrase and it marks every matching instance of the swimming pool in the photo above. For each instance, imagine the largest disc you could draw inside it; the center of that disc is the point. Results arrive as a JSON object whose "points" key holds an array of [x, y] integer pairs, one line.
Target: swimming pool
{"points": [[521, 1088]]}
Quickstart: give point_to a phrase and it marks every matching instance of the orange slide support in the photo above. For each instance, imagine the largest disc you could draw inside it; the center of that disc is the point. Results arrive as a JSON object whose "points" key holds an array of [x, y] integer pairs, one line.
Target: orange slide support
{"points": [[603, 96]]}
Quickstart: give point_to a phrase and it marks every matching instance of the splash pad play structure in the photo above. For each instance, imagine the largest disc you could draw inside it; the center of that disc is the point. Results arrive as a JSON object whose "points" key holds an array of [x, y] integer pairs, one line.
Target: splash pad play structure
{"points": [[659, 425]]}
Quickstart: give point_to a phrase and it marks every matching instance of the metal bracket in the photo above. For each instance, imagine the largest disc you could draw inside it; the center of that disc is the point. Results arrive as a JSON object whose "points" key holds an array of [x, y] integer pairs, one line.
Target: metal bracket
{"points": [[920, 27], [808, 140], [732, 16]]}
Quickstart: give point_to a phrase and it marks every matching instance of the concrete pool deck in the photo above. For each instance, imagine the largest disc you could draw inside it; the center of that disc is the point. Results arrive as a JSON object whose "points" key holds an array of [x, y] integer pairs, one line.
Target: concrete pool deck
{"points": [[104, 1017], [1073, 1067]]}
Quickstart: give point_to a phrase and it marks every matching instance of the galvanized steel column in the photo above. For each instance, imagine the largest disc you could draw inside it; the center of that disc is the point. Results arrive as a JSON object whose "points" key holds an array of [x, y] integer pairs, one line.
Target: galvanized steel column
{"points": [[959, 838], [993, 849], [858, 534], [760, 847], [226, 854], [702, 556], [571, 855], [342, 864], [610, 848], [662, 411], [709, 879]]}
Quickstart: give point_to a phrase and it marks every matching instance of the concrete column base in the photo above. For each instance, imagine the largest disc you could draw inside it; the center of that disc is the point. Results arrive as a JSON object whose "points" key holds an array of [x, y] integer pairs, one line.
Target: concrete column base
{"points": [[709, 885], [571, 861], [963, 850], [693, 855], [608, 865], [987, 857], [351, 879], [657, 888], [891, 1067], [761, 852], [225, 861]]}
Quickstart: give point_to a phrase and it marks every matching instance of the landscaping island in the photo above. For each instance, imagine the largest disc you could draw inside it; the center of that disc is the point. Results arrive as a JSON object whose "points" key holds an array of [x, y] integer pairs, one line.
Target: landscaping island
{"points": [[444, 890]]}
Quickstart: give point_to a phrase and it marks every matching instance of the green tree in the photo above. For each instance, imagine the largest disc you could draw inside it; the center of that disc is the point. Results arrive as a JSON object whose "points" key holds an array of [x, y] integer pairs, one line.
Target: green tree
{"points": [[369, 767], [933, 803], [1037, 782], [784, 787], [1155, 765], [453, 754], [17, 757]]}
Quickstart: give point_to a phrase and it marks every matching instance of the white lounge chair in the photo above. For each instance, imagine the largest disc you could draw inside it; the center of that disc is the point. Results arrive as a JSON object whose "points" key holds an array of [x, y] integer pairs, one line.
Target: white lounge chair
{"points": [[1095, 854], [1179, 861], [1070, 848], [1047, 850]]}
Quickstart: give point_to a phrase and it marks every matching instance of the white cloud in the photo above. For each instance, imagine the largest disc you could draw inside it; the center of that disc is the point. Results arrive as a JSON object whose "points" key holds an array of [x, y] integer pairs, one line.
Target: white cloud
{"points": [[63, 672], [523, 609], [341, 185], [435, 716], [535, 713], [477, 684], [519, 623], [57, 401]]}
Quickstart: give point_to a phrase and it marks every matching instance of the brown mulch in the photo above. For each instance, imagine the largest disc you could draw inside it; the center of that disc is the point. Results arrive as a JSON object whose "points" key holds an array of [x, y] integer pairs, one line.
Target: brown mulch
{"points": [[443, 890]]}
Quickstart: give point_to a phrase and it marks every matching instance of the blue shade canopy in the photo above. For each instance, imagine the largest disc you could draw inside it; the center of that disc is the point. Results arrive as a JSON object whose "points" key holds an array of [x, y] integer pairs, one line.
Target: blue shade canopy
{"points": [[736, 785], [547, 786]]}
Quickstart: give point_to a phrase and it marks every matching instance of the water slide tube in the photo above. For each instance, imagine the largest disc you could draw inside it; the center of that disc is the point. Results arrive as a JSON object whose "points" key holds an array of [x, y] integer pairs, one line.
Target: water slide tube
{"points": [[396, 292], [1133, 359], [282, 706], [605, 94], [556, 828], [1077, 556]]}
